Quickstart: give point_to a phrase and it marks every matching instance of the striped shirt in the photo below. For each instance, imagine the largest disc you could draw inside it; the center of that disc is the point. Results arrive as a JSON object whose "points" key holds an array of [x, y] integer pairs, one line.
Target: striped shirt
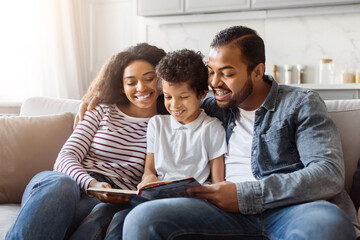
{"points": [[107, 142]]}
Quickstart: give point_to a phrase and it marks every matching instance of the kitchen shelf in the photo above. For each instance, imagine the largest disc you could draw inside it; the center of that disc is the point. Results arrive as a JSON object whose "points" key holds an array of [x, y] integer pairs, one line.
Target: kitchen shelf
{"points": [[328, 86], [334, 91]]}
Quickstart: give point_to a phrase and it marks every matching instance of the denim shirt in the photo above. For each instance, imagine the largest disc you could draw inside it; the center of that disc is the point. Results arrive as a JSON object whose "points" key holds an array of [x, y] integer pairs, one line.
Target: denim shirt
{"points": [[296, 151]]}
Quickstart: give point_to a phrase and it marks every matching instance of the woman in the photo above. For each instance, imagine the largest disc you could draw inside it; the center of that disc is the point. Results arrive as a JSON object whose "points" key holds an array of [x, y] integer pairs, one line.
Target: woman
{"points": [[107, 149]]}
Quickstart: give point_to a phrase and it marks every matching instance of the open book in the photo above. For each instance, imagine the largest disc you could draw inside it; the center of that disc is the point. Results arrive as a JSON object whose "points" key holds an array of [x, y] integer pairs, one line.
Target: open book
{"points": [[154, 190]]}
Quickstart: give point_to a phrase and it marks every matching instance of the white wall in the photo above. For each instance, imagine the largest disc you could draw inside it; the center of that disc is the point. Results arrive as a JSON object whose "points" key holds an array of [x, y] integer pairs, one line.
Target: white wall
{"points": [[112, 28], [288, 40]]}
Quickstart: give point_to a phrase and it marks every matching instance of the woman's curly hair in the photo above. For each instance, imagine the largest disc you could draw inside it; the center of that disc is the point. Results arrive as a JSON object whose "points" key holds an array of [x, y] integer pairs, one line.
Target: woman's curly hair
{"points": [[108, 84], [184, 66]]}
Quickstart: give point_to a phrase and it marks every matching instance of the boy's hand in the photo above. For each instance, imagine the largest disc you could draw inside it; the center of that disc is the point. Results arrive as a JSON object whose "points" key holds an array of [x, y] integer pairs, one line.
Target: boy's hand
{"points": [[105, 197], [222, 194], [147, 180], [83, 107]]}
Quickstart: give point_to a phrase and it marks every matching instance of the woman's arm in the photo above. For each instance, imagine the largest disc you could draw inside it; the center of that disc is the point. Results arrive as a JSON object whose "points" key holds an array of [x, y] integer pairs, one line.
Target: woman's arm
{"points": [[217, 169], [76, 147], [150, 174]]}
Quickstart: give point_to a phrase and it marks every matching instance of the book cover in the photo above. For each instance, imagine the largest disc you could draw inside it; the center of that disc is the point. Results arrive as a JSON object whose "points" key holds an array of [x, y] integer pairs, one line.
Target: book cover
{"points": [[155, 190]]}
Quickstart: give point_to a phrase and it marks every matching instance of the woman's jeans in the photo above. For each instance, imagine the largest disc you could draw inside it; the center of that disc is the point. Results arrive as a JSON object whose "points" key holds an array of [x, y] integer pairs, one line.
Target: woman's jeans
{"points": [[189, 218], [52, 207]]}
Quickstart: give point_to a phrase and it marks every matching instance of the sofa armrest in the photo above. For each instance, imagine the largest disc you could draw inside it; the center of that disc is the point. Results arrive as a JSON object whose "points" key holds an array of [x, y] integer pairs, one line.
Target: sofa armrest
{"points": [[346, 115]]}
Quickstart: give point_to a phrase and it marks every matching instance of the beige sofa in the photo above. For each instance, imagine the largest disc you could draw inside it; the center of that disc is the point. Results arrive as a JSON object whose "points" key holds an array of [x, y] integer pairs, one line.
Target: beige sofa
{"points": [[30, 143]]}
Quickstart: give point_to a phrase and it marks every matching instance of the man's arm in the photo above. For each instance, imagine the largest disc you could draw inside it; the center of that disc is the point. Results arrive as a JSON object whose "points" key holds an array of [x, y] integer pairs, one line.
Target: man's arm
{"points": [[89, 101], [318, 144], [319, 147], [84, 106]]}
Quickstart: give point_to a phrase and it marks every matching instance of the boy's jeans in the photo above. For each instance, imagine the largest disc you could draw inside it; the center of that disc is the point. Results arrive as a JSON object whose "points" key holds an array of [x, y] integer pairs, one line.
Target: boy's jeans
{"points": [[189, 218], [52, 206]]}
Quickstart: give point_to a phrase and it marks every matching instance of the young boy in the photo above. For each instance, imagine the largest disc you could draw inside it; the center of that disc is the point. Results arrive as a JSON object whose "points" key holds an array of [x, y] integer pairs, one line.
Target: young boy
{"points": [[187, 143]]}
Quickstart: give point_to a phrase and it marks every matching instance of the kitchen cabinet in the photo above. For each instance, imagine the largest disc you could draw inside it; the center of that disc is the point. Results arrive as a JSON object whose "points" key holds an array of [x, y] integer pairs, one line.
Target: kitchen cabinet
{"points": [[149, 8], [204, 6], [275, 4], [159, 7]]}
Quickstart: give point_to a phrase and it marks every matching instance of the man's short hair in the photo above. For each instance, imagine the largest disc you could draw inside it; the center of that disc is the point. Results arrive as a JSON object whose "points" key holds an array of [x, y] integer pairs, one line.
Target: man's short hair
{"points": [[250, 43]]}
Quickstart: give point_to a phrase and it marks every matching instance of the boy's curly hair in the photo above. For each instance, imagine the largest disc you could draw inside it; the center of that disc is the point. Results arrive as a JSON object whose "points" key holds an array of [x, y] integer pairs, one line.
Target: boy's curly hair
{"points": [[184, 66]]}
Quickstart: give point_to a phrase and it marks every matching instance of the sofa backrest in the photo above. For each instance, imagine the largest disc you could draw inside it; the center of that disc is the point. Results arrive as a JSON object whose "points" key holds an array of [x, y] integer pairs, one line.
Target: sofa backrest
{"points": [[346, 115], [39, 106]]}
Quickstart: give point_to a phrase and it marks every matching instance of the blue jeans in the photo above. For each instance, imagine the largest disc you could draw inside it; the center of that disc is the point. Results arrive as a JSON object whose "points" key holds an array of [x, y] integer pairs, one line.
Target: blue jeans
{"points": [[189, 218], [104, 222], [52, 206]]}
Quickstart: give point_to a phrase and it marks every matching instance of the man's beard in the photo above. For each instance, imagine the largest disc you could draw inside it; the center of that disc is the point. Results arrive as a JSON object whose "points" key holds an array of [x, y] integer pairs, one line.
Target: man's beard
{"points": [[239, 97]]}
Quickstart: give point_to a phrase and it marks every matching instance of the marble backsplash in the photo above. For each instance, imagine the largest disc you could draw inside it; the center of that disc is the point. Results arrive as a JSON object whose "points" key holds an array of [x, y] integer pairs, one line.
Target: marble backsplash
{"points": [[288, 40]]}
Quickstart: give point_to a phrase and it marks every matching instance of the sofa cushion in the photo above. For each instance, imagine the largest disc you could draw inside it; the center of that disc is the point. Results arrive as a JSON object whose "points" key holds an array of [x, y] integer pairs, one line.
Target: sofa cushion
{"points": [[346, 115], [29, 145], [8, 216]]}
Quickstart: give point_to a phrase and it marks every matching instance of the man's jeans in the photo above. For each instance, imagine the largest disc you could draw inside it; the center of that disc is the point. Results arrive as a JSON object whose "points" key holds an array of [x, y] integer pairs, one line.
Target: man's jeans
{"points": [[52, 206], [189, 218]]}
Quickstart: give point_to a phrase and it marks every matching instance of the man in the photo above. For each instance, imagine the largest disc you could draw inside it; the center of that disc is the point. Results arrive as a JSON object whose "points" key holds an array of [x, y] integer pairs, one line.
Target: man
{"points": [[284, 160]]}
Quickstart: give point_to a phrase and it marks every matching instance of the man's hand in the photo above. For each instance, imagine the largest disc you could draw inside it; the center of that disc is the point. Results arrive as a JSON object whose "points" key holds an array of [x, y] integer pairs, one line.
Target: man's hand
{"points": [[83, 107], [222, 194], [106, 197]]}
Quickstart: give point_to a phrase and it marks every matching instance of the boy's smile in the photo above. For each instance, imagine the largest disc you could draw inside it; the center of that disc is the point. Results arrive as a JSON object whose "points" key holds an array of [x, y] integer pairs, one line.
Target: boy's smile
{"points": [[181, 101]]}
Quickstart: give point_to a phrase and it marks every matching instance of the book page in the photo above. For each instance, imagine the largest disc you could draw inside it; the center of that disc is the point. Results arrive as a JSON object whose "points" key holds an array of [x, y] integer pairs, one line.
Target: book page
{"points": [[168, 189], [113, 191]]}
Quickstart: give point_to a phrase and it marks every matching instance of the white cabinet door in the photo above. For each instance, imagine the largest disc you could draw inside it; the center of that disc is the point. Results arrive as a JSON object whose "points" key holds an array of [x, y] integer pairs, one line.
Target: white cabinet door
{"points": [[203, 6], [273, 4], [159, 7]]}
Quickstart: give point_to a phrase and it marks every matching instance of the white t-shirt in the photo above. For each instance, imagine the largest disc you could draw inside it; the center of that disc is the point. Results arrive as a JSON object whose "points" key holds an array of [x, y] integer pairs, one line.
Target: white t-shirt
{"points": [[238, 157], [185, 150]]}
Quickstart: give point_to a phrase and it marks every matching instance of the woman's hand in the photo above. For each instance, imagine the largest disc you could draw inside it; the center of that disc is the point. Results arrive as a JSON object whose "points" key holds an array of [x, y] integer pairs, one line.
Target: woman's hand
{"points": [[83, 107], [106, 197], [222, 194]]}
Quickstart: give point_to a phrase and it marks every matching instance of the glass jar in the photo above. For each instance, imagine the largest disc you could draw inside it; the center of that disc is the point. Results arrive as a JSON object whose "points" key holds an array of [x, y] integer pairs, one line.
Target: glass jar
{"points": [[301, 72], [357, 77], [326, 71], [288, 73], [348, 75]]}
